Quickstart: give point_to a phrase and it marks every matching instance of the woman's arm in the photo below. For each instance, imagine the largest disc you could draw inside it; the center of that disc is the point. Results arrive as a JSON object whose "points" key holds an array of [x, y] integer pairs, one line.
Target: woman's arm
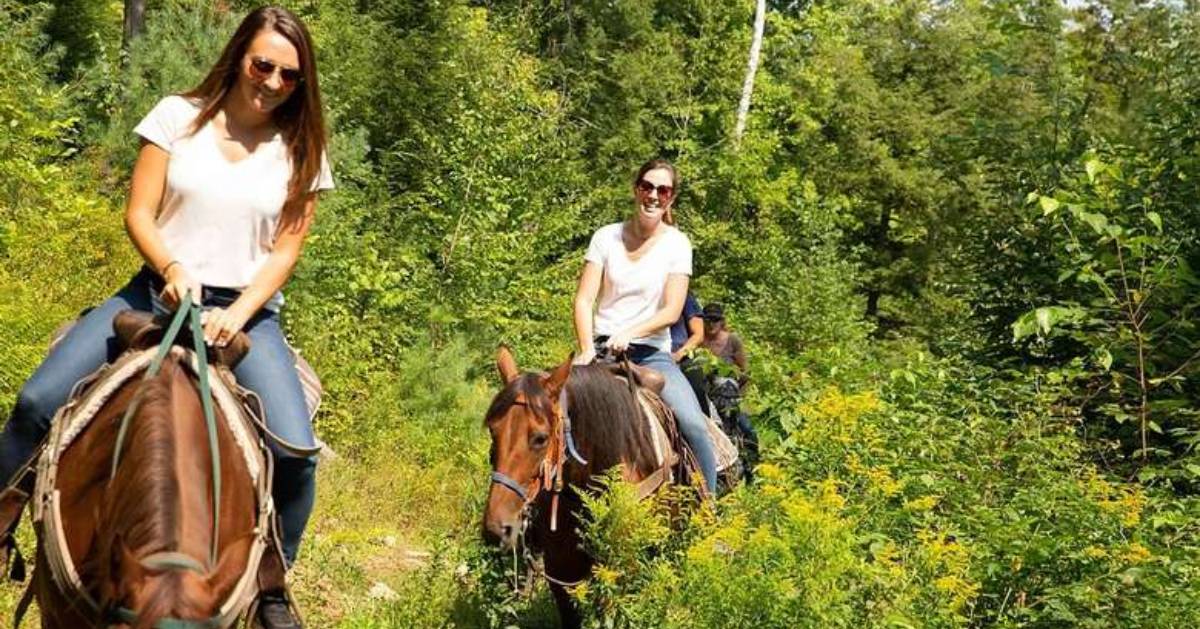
{"points": [[221, 324], [585, 300], [145, 195], [673, 295], [695, 326]]}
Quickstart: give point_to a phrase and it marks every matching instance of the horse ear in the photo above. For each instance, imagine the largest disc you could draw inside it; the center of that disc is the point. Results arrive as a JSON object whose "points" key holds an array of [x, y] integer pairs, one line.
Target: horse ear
{"points": [[557, 379], [506, 364]]}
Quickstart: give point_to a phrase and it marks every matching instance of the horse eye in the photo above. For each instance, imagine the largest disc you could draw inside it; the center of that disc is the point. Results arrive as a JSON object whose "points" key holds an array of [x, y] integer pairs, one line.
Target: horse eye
{"points": [[539, 440]]}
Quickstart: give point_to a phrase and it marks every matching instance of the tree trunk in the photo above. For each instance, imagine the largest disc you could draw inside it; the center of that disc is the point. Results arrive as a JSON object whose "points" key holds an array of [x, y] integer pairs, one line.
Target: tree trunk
{"points": [[135, 19], [760, 20]]}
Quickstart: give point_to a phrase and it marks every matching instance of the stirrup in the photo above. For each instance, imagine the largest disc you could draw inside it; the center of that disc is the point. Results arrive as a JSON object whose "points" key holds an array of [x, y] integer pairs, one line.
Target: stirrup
{"points": [[13, 499], [272, 580]]}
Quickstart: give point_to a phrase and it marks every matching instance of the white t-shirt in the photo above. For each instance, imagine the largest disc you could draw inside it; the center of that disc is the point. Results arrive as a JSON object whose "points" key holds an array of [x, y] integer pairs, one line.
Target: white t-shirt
{"points": [[631, 292], [219, 218]]}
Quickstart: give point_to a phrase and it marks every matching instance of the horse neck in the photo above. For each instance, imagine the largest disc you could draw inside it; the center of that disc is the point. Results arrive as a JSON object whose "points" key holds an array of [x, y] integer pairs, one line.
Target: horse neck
{"points": [[159, 498], [608, 426]]}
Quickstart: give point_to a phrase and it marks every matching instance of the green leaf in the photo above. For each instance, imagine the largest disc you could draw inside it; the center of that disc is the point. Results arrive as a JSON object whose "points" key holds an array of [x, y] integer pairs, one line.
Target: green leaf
{"points": [[1097, 221], [1044, 320], [1092, 166], [1104, 357], [1049, 205], [1156, 219]]}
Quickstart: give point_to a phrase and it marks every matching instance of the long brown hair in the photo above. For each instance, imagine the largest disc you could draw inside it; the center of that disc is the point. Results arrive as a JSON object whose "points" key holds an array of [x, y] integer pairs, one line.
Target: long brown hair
{"points": [[656, 164], [300, 117]]}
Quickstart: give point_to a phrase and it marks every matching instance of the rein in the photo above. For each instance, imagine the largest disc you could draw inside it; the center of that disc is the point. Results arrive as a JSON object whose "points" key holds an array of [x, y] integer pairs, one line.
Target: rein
{"points": [[188, 311]]}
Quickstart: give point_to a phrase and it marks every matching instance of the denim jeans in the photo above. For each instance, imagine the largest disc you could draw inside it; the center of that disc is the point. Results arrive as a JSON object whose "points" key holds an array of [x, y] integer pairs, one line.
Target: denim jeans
{"points": [[679, 396], [268, 369]]}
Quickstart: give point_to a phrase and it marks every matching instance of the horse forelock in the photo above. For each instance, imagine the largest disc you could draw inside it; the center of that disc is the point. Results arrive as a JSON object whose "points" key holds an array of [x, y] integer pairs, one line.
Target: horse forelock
{"points": [[525, 390], [176, 595]]}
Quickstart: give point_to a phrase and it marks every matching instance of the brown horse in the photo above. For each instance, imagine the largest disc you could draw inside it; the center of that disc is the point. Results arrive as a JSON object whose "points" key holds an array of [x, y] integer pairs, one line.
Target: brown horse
{"points": [[533, 438], [141, 536]]}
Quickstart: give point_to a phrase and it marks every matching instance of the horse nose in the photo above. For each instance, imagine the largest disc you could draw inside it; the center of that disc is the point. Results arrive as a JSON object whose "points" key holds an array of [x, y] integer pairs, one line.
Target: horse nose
{"points": [[501, 533]]}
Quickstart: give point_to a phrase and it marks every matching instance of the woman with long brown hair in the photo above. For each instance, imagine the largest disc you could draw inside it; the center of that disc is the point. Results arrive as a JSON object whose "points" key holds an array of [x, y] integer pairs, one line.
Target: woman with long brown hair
{"points": [[639, 269], [222, 197]]}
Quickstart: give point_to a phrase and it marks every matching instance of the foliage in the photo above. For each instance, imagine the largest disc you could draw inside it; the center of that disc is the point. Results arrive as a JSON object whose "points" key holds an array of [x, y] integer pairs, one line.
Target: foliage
{"points": [[979, 406], [1127, 309]]}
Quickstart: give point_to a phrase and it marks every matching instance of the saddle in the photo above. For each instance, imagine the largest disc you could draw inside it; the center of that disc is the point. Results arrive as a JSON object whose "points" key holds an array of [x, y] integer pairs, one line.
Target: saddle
{"points": [[648, 385]]}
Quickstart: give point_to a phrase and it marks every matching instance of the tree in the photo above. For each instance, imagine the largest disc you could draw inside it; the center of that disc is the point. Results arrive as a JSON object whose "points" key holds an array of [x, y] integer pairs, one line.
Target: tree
{"points": [[135, 19], [760, 18]]}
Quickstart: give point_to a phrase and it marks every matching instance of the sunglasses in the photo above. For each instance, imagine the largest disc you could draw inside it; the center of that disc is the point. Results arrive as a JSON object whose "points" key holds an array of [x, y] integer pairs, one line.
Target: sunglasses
{"points": [[263, 69], [664, 192]]}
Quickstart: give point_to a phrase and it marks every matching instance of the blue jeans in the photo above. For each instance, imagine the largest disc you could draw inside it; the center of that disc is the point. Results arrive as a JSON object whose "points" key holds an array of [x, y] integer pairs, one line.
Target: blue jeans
{"points": [[679, 396], [268, 369]]}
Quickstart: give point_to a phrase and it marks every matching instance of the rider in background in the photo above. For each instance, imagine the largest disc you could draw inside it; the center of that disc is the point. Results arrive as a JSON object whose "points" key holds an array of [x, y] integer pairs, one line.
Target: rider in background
{"points": [[222, 196], [727, 346], [640, 269], [687, 333]]}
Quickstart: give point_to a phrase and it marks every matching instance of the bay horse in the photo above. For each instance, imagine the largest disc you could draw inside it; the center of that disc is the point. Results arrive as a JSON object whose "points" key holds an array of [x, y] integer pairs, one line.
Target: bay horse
{"points": [[140, 532], [535, 438]]}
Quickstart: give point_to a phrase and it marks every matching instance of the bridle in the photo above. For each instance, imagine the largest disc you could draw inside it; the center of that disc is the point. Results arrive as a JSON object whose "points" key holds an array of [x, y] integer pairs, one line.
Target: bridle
{"points": [[550, 471]]}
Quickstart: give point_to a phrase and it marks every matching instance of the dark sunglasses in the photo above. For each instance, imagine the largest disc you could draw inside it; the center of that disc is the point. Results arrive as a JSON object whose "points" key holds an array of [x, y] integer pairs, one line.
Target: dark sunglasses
{"points": [[262, 69], [664, 192]]}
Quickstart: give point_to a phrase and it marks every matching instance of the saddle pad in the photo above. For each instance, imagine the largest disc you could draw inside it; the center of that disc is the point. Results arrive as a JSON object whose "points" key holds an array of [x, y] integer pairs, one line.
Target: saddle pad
{"points": [[652, 410], [726, 452], [309, 382], [79, 411]]}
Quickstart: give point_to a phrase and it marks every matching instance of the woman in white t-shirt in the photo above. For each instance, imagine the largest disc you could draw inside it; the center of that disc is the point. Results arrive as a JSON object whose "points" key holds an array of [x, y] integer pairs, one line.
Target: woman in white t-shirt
{"points": [[639, 268], [222, 197]]}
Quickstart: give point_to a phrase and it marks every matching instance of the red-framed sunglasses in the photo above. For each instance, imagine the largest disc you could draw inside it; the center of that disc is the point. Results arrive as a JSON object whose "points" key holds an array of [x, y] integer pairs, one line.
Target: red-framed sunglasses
{"points": [[262, 69], [664, 192]]}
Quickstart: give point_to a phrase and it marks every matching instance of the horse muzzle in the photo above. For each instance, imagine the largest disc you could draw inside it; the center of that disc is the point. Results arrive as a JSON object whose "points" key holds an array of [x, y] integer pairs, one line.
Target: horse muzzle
{"points": [[507, 506]]}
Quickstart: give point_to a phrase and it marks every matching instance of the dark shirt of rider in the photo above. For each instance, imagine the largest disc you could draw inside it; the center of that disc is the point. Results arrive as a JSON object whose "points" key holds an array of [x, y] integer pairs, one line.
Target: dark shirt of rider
{"points": [[679, 329]]}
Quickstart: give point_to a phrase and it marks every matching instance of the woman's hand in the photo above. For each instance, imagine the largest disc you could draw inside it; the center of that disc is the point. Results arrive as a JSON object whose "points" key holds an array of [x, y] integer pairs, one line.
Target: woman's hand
{"points": [[585, 357], [178, 284], [620, 341], [221, 324]]}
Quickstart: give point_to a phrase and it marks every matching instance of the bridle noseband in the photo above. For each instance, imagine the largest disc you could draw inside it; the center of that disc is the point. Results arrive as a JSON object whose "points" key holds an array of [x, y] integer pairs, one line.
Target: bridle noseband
{"points": [[550, 470]]}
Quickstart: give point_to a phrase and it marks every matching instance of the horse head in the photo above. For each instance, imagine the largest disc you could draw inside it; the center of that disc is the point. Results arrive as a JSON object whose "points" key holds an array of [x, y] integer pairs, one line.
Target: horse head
{"points": [[525, 421], [167, 586]]}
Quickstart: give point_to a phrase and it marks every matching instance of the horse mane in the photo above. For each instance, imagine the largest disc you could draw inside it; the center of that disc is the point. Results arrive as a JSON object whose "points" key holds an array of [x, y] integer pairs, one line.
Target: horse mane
{"points": [[141, 513], [606, 418]]}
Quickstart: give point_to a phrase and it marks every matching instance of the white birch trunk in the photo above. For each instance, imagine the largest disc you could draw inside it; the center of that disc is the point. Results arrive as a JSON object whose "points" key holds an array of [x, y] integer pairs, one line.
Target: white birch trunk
{"points": [[760, 20]]}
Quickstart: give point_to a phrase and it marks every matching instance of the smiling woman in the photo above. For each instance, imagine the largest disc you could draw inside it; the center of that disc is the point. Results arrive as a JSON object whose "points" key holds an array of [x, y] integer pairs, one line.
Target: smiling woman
{"points": [[640, 270], [222, 197]]}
